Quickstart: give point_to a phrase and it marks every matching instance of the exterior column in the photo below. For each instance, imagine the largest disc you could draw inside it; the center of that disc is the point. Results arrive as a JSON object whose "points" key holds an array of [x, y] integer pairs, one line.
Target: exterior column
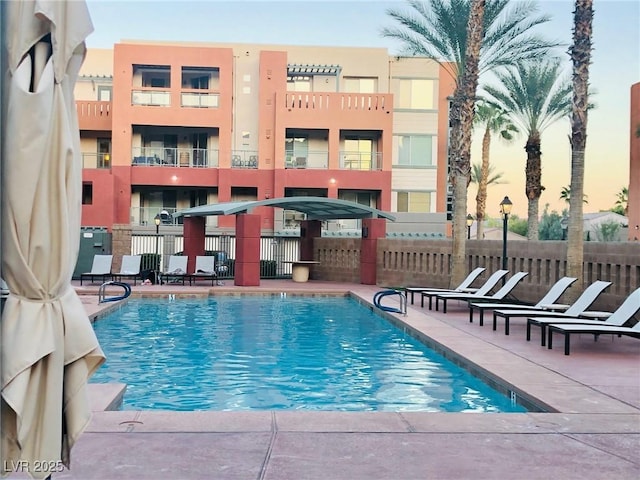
{"points": [[372, 230], [309, 229], [247, 268], [194, 234]]}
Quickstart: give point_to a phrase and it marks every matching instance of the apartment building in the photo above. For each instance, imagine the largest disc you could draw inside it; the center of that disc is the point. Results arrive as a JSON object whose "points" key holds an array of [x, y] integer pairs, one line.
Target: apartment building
{"points": [[166, 127]]}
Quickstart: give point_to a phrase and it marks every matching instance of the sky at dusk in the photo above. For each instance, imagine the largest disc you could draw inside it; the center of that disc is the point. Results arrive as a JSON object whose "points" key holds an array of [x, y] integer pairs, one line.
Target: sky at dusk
{"points": [[615, 67]]}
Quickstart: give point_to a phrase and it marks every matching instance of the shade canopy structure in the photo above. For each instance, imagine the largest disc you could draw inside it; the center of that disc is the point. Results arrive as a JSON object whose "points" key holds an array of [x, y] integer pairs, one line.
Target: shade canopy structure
{"points": [[316, 208], [49, 348]]}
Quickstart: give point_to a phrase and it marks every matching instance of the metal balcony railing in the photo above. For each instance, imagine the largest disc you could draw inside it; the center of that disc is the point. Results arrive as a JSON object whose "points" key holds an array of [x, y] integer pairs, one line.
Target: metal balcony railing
{"points": [[199, 100], [310, 159], [145, 216], [360, 161], [151, 98], [175, 157], [96, 160], [244, 159]]}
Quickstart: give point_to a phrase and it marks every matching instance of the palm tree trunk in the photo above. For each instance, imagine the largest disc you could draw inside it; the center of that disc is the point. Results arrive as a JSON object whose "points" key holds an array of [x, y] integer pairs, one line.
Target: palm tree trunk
{"points": [[581, 58], [481, 197], [533, 187], [460, 155]]}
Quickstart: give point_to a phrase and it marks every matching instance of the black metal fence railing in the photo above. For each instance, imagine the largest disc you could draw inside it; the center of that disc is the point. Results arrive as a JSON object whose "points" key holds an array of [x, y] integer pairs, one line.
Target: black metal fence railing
{"points": [[276, 253]]}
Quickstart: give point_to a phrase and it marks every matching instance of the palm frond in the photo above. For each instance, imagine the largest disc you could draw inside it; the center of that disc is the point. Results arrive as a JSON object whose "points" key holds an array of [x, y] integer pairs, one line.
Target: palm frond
{"points": [[438, 29]]}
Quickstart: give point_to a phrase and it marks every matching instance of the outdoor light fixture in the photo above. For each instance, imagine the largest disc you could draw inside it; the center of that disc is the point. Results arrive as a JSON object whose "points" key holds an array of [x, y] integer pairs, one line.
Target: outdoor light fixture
{"points": [[505, 206], [469, 223], [564, 224], [505, 210]]}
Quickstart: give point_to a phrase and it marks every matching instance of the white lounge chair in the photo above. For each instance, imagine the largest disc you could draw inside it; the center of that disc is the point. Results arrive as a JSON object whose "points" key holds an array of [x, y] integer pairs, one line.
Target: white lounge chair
{"points": [[176, 270], [622, 315], [205, 269], [577, 308], [465, 285], [545, 303], [101, 268], [488, 285], [499, 295], [130, 268]]}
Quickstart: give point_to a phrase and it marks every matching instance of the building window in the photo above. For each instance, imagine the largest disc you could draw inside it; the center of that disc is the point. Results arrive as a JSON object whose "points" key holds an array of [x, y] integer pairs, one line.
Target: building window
{"points": [[360, 84], [358, 154], [296, 151], [104, 153], [87, 193], [156, 76], [415, 94], [414, 150], [414, 202], [104, 93], [200, 78]]}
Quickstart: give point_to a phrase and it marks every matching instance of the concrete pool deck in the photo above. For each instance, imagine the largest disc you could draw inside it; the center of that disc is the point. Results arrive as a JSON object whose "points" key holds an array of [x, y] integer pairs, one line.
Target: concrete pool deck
{"points": [[594, 434]]}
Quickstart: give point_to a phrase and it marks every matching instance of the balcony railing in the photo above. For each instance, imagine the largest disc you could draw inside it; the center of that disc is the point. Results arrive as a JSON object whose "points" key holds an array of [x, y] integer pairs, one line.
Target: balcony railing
{"points": [[360, 161], [96, 160], [199, 100], [312, 159], [244, 159], [154, 98], [93, 115], [175, 157], [145, 216], [338, 101]]}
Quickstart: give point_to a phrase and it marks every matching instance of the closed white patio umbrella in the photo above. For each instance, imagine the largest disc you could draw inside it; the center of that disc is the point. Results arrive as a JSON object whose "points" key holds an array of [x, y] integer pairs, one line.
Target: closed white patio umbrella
{"points": [[49, 348]]}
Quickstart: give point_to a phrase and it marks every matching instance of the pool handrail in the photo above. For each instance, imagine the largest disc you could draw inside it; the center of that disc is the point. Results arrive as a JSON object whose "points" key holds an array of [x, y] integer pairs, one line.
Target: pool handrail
{"points": [[384, 293]]}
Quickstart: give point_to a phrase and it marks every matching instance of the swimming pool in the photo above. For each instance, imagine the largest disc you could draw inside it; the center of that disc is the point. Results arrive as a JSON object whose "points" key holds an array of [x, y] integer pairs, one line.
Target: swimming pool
{"points": [[277, 352]]}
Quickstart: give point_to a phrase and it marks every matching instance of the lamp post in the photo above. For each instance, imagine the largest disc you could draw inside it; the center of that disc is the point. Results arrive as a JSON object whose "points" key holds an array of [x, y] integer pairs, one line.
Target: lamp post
{"points": [[564, 224], [469, 223], [157, 219], [505, 210]]}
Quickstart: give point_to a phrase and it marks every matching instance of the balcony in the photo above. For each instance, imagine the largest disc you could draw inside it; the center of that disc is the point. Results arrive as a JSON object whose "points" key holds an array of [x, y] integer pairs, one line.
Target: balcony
{"points": [[93, 115], [351, 110], [199, 100], [96, 160], [151, 97], [145, 216], [244, 159], [312, 159], [175, 157], [367, 161]]}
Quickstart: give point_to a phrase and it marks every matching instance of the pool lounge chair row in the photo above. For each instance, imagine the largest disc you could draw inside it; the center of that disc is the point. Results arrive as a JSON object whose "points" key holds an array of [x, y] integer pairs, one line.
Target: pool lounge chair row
{"points": [[176, 271], [546, 314]]}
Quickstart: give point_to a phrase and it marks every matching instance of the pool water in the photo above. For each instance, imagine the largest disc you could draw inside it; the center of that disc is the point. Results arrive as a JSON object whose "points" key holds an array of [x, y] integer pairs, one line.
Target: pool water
{"points": [[272, 352]]}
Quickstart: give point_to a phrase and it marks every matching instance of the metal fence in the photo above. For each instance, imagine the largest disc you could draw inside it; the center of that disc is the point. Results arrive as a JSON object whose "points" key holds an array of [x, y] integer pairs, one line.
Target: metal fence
{"points": [[276, 253]]}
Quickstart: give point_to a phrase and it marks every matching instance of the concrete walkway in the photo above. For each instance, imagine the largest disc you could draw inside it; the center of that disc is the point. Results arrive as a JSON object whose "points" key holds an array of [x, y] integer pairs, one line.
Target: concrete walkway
{"points": [[593, 434]]}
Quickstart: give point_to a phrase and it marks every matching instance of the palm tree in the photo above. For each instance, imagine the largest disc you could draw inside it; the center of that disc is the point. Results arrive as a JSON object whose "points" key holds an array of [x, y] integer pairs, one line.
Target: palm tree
{"points": [[535, 96], [495, 120], [493, 177], [580, 53], [441, 29], [462, 126], [623, 200]]}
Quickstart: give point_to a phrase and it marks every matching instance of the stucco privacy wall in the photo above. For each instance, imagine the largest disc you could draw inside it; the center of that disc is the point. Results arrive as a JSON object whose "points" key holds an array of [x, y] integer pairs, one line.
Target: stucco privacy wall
{"points": [[426, 262]]}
